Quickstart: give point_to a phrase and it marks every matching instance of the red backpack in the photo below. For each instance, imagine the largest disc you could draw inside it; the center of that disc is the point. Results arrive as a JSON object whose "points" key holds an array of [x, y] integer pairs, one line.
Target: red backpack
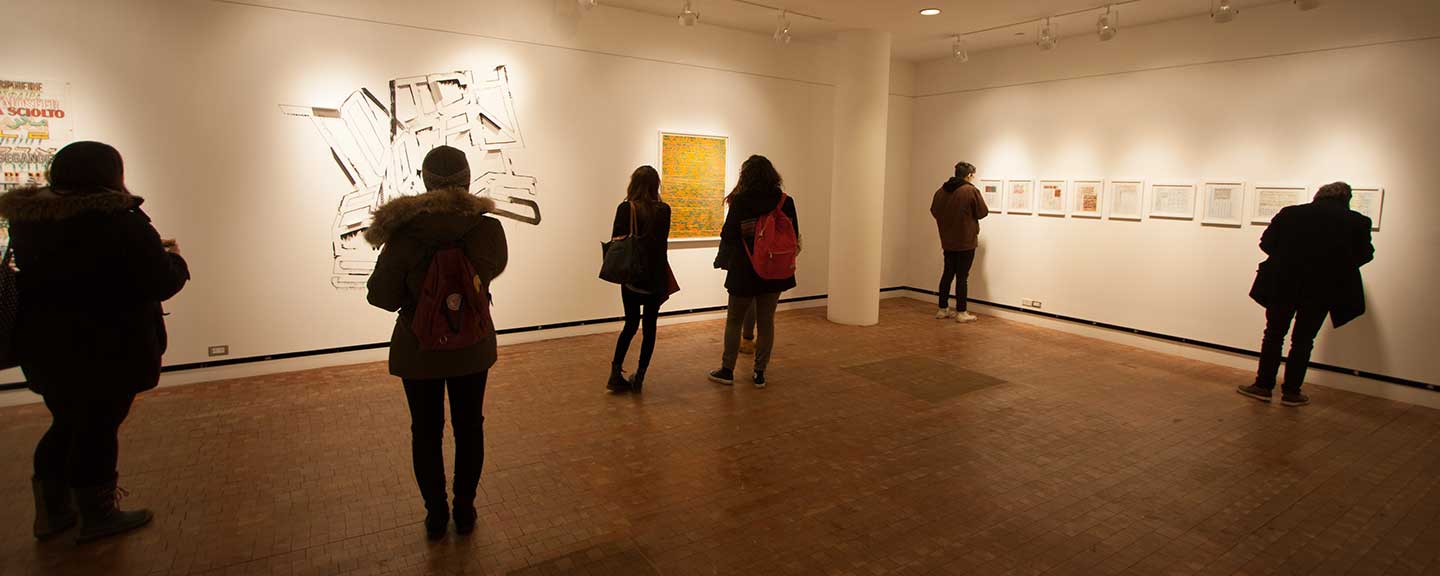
{"points": [[454, 307], [776, 244]]}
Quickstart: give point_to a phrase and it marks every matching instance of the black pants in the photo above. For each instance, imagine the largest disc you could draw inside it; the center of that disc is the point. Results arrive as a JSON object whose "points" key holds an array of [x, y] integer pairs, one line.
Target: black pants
{"points": [[638, 307], [427, 432], [1308, 320], [82, 446], [957, 268]]}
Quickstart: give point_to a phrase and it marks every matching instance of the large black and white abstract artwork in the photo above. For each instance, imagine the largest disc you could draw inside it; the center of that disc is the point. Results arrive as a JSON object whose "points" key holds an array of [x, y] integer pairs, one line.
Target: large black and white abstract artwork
{"points": [[379, 149]]}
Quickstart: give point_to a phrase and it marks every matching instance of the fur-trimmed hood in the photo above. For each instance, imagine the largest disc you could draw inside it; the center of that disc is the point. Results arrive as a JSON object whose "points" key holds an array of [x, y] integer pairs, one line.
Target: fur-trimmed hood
{"points": [[393, 217], [43, 204]]}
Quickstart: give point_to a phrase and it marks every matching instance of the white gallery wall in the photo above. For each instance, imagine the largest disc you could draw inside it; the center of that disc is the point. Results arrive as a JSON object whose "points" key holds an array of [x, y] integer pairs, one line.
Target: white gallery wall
{"points": [[1344, 92], [190, 90]]}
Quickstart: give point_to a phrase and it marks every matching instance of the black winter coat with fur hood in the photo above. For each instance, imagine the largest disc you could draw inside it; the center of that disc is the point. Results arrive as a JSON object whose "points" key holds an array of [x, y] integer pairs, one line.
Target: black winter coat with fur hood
{"points": [[409, 230], [92, 276]]}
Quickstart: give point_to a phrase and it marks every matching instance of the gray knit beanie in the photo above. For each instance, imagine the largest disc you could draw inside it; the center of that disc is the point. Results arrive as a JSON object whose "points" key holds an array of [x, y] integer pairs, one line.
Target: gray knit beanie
{"points": [[445, 167]]}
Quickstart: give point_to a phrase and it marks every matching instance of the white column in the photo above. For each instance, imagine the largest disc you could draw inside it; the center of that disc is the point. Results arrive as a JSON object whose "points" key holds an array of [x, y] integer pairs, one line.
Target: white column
{"points": [[857, 202]]}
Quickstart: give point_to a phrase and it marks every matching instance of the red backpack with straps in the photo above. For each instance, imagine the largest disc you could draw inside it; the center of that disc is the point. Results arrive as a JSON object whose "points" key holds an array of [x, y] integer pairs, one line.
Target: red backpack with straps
{"points": [[453, 311], [776, 244]]}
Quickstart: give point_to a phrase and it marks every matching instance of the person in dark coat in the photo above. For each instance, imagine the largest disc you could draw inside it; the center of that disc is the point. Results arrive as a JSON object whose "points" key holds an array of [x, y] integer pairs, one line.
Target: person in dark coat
{"points": [[958, 209], [90, 331], [1313, 270], [410, 230], [757, 194], [642, 299]]}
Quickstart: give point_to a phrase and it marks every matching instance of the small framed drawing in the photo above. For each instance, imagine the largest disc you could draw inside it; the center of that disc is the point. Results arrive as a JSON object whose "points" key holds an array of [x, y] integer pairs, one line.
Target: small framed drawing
{"points": [[1088, 198], [1172, 199], [1050, 201], [993, 193], [1267, 200], [1224, 202], [1127, 198], [1368, 200], [1019, 196]]}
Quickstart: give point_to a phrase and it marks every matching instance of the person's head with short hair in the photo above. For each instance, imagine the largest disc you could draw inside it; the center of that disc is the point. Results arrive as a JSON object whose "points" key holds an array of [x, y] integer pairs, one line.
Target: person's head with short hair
{"points": [[87, 168], [964, 171], [446, 167], [1334, 192], [644, 186]]}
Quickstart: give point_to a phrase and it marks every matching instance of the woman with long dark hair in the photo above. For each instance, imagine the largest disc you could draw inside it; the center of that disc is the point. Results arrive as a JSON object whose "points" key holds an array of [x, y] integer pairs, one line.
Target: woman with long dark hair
{"points": [[642, 298], [757, 194], [90, 331]]}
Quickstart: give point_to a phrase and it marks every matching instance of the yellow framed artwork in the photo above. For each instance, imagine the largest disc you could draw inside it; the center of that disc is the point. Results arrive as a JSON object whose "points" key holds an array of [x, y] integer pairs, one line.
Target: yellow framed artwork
{"points": [[692, 182]]}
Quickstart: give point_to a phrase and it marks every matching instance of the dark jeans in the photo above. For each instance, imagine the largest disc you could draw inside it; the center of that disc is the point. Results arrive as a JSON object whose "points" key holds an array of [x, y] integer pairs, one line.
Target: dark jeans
{"points": [[638, 306], [427, 432], [1308, 320], [763, 307], [957, 268], [82, 446], [749, 333]]}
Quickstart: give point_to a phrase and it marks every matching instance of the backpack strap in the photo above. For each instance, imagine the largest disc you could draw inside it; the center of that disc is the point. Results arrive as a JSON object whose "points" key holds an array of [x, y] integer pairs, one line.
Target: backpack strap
{"points": [[781, 206]]}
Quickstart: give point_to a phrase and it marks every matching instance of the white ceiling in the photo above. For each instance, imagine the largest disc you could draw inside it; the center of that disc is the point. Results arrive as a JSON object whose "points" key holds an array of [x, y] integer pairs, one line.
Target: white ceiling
{"points": [[919, 37]]}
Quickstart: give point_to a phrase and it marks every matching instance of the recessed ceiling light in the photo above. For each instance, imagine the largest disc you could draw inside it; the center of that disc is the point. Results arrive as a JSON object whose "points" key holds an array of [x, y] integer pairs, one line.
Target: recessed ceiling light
{"points": [[930, 12]]}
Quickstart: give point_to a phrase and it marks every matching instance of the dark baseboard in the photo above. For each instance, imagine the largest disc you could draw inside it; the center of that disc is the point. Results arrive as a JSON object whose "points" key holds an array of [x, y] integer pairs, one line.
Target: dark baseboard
{"points": [[1192, 342], [539, 327]]}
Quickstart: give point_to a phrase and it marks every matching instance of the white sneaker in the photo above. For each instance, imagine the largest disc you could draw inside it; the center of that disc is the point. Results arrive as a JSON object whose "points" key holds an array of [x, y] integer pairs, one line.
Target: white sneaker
{"points": [[965, 318], [945, 314]]}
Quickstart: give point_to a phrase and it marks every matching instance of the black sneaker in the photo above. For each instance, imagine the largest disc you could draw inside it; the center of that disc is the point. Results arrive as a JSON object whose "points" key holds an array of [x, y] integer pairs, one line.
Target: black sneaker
{"points": [[435, 523], [760, 379], [723, 376], [465, 517], [617, 383], [1294, 400], [1256, 392]]}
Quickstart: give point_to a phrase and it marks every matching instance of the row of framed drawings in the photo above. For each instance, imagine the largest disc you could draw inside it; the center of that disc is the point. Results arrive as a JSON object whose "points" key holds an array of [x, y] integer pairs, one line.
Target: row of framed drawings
{"points": [[1219, 202]]}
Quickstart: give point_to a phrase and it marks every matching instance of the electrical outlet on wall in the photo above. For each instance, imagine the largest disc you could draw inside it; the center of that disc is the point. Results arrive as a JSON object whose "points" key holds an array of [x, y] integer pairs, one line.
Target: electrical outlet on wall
{"points": [[219, 351], [1036, 304], [1029, 303]]}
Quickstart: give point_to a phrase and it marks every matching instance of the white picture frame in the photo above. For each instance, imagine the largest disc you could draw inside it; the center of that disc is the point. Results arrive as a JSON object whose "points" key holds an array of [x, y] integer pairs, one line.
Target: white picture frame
{"points": [[1091, 189], [1126, 199], [1171, 200], [1370, 201], [1266, 200], [1222, 202], [1020, 196], [995, 200], [1051, 196]]}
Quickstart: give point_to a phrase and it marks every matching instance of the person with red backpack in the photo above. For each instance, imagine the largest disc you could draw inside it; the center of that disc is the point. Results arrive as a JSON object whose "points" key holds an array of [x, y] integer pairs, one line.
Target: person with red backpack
{"points": [[439, 253], [759, 242]]}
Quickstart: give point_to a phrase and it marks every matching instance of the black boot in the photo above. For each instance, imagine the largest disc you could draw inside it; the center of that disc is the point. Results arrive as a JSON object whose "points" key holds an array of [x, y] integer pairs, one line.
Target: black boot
{"points": [[617, 383], [437, 519], [54, 513], [637, 381], [465, 516], [99, 515]]}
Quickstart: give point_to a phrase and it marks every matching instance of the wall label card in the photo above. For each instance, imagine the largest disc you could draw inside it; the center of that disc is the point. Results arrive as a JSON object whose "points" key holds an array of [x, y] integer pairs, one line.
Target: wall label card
{"points": [[1089, 198], [1172, 200], [692, 182], [993, 193], [1126, 199], [1051, 198], [1019, 196], [1368, 200], [1270, 200], [1224, 202]]}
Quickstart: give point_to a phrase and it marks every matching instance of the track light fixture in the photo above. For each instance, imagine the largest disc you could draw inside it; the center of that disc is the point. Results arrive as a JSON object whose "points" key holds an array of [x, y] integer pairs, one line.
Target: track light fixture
{"points": [[782, 29], [959, 50], [1108, 26], [1222, 12], [688, 15], [1048, 35], [586, 4], [1307, 4]]}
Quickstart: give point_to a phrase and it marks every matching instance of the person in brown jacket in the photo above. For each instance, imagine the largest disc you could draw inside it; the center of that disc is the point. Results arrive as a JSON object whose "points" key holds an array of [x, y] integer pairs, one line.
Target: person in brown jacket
{"points": [[410, 230], [958, 208]]}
